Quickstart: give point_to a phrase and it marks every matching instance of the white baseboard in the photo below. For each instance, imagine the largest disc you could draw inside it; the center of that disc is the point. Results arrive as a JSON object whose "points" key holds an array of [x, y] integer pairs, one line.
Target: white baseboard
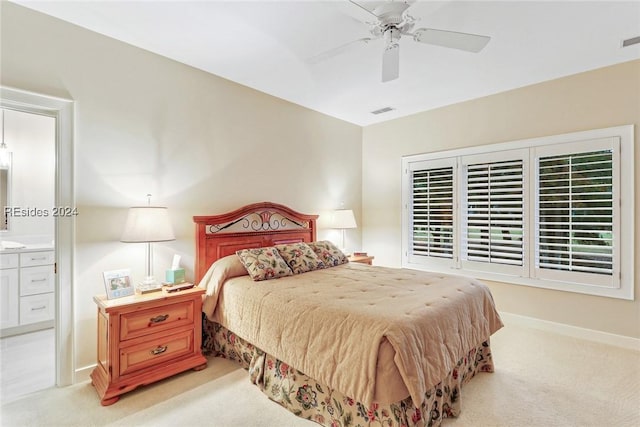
{"points": [[629, 343], [83, 374]]}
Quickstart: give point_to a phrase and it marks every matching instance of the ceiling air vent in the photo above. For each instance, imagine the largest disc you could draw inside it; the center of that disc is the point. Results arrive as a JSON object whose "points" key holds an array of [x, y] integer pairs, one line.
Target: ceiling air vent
{"points": [[631, 41], [382, 110]]}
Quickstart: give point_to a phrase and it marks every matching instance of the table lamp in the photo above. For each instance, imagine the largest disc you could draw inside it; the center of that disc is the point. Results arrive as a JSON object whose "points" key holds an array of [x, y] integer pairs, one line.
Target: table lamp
{"points": [[342, 219], [148, 224]]}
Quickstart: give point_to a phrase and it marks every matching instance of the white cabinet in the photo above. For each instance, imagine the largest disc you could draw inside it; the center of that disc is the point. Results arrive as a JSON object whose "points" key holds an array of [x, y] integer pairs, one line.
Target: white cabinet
{"points": [[30, 259], [9, 297], [36, 308], [27, 285], [36, 280], [9, 261]]}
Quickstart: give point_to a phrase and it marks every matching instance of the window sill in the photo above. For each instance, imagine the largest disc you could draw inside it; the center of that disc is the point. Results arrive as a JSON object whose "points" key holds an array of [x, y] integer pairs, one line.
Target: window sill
{"points": [[625, 291]]}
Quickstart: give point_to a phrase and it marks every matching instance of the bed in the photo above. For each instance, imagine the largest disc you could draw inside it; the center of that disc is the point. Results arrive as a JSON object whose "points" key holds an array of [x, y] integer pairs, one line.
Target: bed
{"points": [[342, 343]]}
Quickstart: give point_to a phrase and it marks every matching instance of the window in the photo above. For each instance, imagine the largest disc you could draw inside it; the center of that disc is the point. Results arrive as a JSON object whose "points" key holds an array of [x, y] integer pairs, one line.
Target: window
{"points": [[547, 212], [575, 212], [432, 210], [493, 212]]}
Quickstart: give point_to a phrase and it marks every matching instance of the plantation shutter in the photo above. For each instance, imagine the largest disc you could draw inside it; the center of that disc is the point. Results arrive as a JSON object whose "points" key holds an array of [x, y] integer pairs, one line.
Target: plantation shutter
{"points": [[552, 212], [495, 212], [432, 212], [576, 212]]}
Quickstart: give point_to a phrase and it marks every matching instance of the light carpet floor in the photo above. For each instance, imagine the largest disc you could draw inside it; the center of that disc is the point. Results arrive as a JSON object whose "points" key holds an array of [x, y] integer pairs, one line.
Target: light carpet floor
{"points": [[541, 379]]}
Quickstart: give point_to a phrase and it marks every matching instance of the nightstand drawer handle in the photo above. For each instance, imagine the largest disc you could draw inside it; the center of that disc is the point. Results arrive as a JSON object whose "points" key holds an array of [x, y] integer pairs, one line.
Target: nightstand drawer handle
{"points": [[159, 350], [160, 318]]}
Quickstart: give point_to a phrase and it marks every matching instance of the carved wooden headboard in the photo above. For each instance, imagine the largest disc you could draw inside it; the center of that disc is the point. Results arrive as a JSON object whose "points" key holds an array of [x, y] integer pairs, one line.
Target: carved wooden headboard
{"points": [[252, 226]]}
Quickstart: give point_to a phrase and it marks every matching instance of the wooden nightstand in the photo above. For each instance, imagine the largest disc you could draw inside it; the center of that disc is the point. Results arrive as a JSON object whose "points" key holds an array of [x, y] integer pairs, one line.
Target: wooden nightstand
{"points": [[362, 259], [145, 338]]}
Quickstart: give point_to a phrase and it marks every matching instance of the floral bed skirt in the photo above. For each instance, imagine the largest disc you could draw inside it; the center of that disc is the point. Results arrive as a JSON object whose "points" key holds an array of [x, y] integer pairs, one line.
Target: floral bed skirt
{"points": [[309, 399]]}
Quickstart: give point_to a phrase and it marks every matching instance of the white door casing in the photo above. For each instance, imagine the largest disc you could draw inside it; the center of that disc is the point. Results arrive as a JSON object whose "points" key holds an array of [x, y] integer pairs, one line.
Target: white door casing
{"points": [[62, 110]]}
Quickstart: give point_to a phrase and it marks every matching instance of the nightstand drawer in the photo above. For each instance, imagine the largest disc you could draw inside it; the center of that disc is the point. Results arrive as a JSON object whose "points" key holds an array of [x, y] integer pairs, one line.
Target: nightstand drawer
{"points": [[151, 353], [156, 319]]}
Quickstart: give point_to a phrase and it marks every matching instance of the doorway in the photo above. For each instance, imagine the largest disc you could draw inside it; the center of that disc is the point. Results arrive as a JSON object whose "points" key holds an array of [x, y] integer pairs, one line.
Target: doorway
{"points": [[27, 271], [61, 110]]}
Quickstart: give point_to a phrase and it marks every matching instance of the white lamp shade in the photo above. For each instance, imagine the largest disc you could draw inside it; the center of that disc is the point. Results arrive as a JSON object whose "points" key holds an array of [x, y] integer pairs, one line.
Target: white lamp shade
{"points": [[343, 218], [147, 224]]}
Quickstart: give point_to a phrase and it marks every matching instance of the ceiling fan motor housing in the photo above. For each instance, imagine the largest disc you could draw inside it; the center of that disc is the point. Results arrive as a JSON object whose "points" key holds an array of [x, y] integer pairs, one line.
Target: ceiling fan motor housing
{"points": [[392, 21], [390, 14]]}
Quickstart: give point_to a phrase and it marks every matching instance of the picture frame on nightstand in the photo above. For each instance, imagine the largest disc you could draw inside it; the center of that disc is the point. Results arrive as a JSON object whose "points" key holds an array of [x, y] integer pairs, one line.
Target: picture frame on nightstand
{"points": [[118, 283]]}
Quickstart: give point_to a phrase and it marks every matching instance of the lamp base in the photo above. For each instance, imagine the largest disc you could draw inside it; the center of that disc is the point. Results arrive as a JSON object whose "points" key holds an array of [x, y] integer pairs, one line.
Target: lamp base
{"points": [[149, 285]]}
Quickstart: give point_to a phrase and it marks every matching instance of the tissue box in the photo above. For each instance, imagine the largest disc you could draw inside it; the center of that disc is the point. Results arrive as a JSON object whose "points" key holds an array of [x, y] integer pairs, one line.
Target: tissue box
{"points": [[175, 276]]}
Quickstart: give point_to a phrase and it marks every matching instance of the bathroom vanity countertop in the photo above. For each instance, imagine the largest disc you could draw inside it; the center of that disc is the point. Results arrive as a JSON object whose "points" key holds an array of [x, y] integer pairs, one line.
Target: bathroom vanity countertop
{"points": [[27, 248]]}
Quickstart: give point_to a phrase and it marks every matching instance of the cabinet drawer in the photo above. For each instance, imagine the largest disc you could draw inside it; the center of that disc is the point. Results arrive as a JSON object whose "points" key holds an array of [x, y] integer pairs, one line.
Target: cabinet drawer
{"points": [[36, 280], [9, 260], [156, 319], [152, 352], [30, 259], [36, 308]]}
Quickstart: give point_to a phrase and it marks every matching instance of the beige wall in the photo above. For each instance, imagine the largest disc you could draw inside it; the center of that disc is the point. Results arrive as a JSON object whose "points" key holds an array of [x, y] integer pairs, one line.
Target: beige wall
{"points": [[597, 99], [200, 144]]}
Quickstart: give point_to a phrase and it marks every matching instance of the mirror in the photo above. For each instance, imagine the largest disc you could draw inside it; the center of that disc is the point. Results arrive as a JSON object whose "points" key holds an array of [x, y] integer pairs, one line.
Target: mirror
{"points": [[5, 174]]}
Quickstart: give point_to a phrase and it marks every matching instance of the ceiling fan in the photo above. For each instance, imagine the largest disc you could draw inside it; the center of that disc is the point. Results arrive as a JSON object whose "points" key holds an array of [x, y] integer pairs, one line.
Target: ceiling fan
{"points": [[391, 23]]}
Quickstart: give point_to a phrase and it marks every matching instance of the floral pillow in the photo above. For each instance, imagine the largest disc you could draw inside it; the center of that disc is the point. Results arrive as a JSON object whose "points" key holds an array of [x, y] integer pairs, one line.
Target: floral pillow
{"points": [[300, 257], [328, 253], [264, 263]]}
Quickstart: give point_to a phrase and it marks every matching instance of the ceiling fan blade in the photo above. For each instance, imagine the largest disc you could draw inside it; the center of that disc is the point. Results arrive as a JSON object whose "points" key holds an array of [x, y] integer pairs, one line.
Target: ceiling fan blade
{"points": [[355, 12], [391, 62], [362, 8], [463, 41], [323, 56]]}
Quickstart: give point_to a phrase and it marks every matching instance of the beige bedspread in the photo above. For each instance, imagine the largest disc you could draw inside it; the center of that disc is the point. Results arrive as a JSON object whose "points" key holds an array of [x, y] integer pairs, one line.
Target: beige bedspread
{"points": [[333, 324]]}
